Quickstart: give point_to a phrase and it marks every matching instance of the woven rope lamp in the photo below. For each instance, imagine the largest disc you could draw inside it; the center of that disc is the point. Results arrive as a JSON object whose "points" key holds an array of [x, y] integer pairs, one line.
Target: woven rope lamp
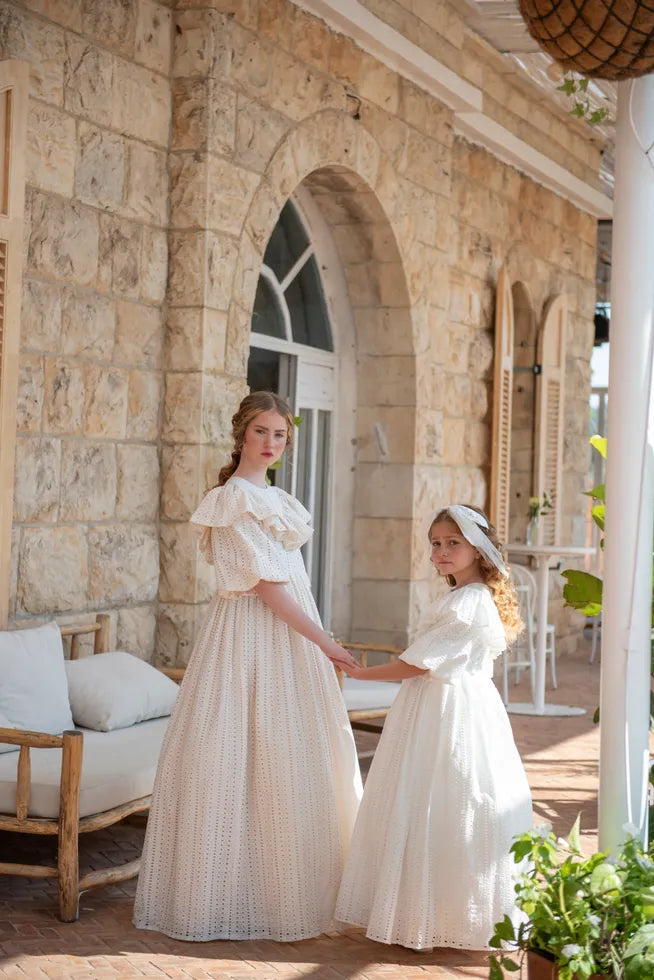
{"points": [[602, 38]]}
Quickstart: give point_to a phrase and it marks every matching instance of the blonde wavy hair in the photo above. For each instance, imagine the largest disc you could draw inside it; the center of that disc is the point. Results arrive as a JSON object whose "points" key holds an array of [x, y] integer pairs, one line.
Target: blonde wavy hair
{"points": [[501, 588], [252, 405]]}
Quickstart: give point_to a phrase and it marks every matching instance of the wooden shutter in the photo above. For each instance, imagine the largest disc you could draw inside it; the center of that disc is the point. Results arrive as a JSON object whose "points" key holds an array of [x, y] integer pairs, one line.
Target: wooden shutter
{"points": [[502, 402], [14, 81], [550, 410]]}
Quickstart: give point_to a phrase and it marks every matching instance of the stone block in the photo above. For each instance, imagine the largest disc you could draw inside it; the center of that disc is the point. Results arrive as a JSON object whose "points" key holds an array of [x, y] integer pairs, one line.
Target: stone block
{"points": [[36, 481], [88, 323], [384, 490], [120, 246], [141, 104], [136, 630], [380, 606], [63, 239], [40, 327], [309, 39], [385, 332], [386, 381], [138, 483], [222, 259], [30, 39], [88, 481], [237, 344], [195, 339], [154, 265], [251, 65], [381, 549], [429, 436], [259, 131], [88, 74], [139, 335], [51, 147], [191, 114], [379, 84], [345, 62], [182, 482], [53, 571], [425, 113], [201, 47], [386, 435], [182, 407], [112, 23], [63, 397], [189, 190], [220, 398], [188, 260], [105, 404], [144, 405], [177, 627], [123, 564], [230, 192], [453, 442], [100, 171], [147, 184], [153, 47], [179, 581]]}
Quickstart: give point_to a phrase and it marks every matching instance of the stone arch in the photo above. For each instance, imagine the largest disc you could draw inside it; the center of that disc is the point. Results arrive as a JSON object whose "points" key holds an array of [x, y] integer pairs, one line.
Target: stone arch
{"points": [[352, 183]]}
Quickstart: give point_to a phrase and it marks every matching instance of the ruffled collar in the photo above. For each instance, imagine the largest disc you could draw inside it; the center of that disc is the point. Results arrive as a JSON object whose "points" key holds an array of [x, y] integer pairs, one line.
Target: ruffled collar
{"points": [[281, 516]]}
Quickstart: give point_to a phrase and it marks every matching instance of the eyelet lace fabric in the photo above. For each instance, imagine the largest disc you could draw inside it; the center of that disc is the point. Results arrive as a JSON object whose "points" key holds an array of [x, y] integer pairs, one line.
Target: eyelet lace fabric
{"points": [[429, 862], [258, 782]]}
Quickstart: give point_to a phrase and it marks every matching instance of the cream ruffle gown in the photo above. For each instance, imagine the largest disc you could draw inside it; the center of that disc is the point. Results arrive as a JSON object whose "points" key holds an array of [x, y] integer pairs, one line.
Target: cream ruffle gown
{"points": [[258, 782], [429, 863]]}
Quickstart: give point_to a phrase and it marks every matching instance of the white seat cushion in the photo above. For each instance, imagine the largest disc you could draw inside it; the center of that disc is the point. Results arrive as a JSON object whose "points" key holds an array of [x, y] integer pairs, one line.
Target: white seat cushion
{"points": [[117, 767], [367, 695]]}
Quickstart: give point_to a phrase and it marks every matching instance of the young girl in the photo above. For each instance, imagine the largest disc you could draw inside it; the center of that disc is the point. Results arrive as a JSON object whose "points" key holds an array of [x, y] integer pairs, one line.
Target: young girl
{"points": [[429, 863], [258, 781]]}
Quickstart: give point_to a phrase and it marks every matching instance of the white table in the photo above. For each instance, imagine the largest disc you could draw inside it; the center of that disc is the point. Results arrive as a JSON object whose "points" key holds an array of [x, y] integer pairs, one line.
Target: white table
{"points": [[543, 555]]}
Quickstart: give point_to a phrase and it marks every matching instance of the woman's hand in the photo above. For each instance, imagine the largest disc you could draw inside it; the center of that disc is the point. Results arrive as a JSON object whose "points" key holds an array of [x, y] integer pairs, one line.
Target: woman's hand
{"points": [[339, 655], [358, 672]]}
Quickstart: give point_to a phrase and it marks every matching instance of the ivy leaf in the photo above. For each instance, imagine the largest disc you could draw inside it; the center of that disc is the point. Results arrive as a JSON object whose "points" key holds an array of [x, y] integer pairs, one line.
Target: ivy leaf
{"points": [[597, 493], [573, 836], [568, 86], [583, 84], [597, 513]]}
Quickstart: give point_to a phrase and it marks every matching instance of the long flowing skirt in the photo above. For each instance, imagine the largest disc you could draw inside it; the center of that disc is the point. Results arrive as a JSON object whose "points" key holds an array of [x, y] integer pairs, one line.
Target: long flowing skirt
{"points": [[257, 787]]}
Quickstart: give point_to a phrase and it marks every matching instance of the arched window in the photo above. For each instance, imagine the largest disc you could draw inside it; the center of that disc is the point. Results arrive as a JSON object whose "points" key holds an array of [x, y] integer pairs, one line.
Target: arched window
{"points": [[292, 353]]}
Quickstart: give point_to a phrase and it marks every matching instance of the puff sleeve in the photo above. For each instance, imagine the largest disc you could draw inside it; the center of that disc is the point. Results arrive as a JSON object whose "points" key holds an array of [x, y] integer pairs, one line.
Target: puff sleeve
{"points": [[247, 534], [467, 629]]}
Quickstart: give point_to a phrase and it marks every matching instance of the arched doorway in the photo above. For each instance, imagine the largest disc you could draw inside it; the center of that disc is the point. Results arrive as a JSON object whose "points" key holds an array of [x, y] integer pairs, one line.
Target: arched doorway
{"points": [[292, 353]]}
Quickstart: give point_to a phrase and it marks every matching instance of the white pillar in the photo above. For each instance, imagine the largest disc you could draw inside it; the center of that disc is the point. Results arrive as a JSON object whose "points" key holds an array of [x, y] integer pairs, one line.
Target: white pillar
{"points": [[624, 698]]}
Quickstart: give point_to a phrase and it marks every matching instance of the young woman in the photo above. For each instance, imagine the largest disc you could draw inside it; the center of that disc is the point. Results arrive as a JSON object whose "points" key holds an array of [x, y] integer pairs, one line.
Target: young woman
{"points": [[258, 781], [429, 863]]}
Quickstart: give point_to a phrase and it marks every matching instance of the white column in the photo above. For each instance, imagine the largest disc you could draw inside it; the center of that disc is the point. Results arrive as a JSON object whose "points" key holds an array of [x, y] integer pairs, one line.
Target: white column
{"points": [[624, 699]]}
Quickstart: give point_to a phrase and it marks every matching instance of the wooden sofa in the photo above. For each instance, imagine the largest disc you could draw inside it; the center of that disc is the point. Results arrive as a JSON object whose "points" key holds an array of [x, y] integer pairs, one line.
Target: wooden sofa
{"points": [[55, 800]]}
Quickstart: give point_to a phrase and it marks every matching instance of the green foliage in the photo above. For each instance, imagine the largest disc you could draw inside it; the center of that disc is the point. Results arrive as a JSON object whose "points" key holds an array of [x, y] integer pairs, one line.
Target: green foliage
{"points": [[589, 915], [576, 89], [582, 591]]}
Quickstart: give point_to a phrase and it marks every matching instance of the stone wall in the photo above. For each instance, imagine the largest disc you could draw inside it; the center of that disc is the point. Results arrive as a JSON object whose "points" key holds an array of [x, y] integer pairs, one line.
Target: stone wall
{"points": [[163, 144], [90, 390]]}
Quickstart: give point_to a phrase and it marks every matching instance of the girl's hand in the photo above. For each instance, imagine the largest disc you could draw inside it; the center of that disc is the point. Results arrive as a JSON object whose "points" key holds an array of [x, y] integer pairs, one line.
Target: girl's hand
{"points": [[358, 672], [339, 655]]}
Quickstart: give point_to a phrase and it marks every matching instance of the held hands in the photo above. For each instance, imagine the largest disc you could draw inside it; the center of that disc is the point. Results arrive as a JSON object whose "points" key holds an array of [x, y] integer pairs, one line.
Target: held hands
{"points": [[339, 655]]}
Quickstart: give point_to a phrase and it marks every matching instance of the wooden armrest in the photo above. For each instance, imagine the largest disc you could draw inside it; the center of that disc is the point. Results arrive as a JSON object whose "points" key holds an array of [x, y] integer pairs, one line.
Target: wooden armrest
{"points": [[33, 740], [175, 673]]}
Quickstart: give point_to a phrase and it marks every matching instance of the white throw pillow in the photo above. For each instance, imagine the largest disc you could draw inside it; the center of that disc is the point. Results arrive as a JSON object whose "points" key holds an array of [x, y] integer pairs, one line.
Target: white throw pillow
{"points": [[116, 690], [33, 688]]}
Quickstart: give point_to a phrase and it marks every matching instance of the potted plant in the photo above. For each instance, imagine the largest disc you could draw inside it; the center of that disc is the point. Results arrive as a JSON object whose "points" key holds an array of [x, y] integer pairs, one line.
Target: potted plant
{"points": [[585, 918]]}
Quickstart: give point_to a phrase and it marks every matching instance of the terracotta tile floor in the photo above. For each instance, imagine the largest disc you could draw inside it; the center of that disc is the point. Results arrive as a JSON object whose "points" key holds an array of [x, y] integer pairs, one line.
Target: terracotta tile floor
{"points": [[561, 759]]}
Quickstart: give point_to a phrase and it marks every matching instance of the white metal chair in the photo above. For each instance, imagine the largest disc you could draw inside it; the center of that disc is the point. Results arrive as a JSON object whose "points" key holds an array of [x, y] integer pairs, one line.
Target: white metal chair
{"points": [[523, 579], [522, 653]]}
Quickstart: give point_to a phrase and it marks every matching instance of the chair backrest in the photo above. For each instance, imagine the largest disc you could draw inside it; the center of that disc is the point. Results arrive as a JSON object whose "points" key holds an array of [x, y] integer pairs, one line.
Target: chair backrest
{"points": [[525, 585]]}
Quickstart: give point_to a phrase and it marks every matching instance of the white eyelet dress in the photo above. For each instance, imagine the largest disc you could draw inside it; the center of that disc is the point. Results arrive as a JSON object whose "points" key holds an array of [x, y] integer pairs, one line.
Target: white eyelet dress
{"points": [[429, 863], [258, 781]]}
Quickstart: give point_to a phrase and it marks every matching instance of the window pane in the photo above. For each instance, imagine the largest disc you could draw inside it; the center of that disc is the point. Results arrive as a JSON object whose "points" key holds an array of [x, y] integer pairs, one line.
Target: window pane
{"points": [[266, 316], [320, 509], [287, 242], [306, 305], [303, 438], [263, 370]]}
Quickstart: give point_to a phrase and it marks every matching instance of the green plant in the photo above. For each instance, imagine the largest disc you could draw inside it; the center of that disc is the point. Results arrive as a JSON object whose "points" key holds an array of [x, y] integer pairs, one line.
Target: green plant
{"points": [[588, 915], [541, 507], [576, 87]]}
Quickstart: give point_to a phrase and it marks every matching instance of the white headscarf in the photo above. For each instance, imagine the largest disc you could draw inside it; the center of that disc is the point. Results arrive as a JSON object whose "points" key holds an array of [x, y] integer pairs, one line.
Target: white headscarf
{"points": [[470, 523]]}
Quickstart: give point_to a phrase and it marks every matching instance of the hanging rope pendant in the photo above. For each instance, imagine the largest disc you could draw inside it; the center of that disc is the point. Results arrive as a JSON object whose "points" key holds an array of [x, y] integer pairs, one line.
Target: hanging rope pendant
{"points": [[602, 38]]}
